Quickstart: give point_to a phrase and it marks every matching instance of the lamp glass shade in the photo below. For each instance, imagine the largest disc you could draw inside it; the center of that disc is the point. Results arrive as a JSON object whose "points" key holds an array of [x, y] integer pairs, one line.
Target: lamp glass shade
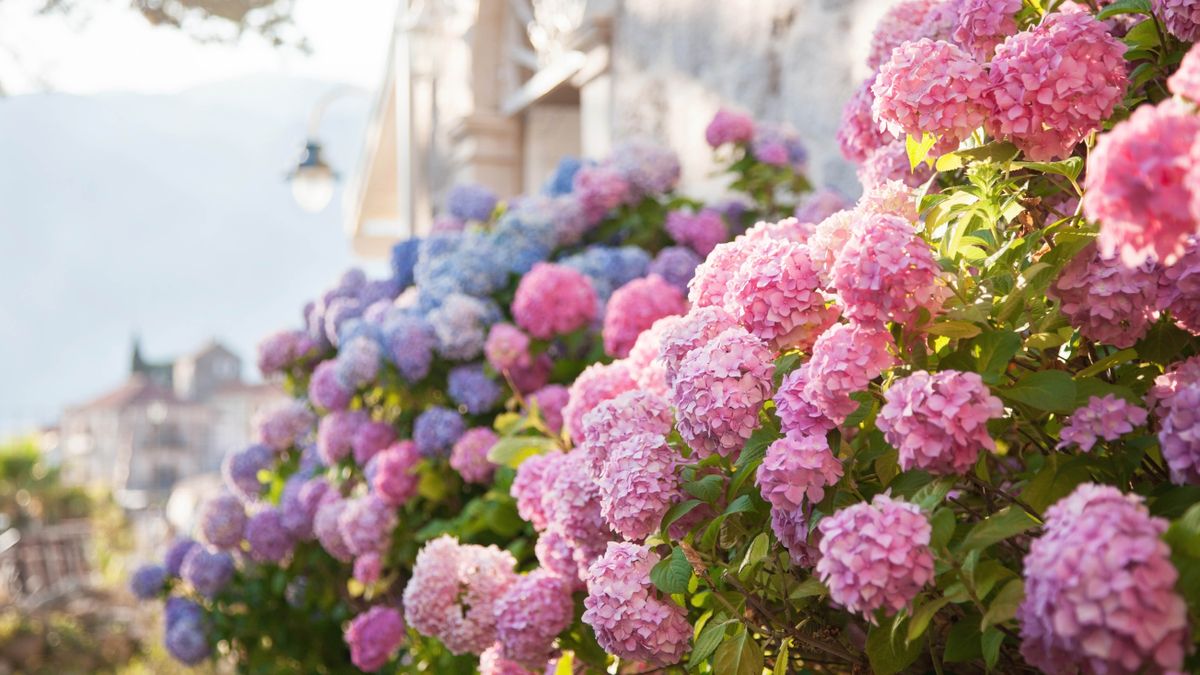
{"points": [[312, 187]]}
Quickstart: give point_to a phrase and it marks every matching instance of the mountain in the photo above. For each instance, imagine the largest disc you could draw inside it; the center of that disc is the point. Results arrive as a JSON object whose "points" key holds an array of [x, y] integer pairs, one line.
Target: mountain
{"points": [[162, 215]]}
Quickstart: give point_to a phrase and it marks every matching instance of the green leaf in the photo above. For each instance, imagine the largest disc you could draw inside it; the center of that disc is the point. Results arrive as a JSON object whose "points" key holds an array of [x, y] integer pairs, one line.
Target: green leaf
{"points": [[757, 551], [1054, 481], [1069, 168], [932, 494], [1163, 343], [706, 643], [739, 655], [708, 489], [678, 511], [943, 525], [1125, 7], [809, 588], [739, 505], [993, 351], [990, 645], [566, 664], [672, 574], [511, 452], [1001, 152], [1049, 390], [918, 150], [1004, 606], [955, 329], [783, 658], [922, 617], [1007, 522], [962, 642], [888, 656], [1107, 362]]}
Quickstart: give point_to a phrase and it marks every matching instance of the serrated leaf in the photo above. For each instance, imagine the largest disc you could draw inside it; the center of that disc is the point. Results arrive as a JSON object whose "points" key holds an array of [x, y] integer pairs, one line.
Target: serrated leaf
{"points": [[739, 655], [1049, 390], [671, 574], [710, 637], [1004, 606], [1007, 522]]}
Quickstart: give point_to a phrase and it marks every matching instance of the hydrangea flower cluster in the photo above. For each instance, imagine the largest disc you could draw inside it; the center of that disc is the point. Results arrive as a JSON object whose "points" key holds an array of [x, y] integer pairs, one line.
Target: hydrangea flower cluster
{"points": [[240, 471], [701, 231], [1099, 589], [719, 389], [222, 520], [186, 637], [436, 430], [148, 581], [268, 539], [1179, 431], [454, 590], [649, 168], [629, 619], [875, 556], [470, 387], [1106, 417], [796, 467], [729, 126], [779, 145], [1181, 17], [600, 189], [844, 360], [1186, 81], [366, 524], [596, 384], [904, 22], [286, 425], [776, 294], [207, 571], [468, 201], [889, 162], [1179, 289], [1055, 84], [374, 636], [984, 24], [554, 300], [335, 434], [531, 614], [1136, 184], [675, 264], [930, 87], [410, 342], [469, 457], [886, 272], [938, 421], [859, 134], [280, 350], [635, 307], [394, 477], [1107, 301]]}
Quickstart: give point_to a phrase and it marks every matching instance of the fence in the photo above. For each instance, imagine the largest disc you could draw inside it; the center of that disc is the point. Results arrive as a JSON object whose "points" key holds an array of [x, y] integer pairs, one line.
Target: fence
{"points": [[45, 561]]}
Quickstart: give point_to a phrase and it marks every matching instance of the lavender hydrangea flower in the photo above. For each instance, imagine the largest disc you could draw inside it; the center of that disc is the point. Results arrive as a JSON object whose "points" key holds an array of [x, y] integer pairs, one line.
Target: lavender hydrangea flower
{"points": [[461, 326], [562, 181], [410, 342], [178, 550], [470, 201], [208, 571], [222, 520], [471, 388], [147, 581], [608, 267], [240, 470], [649, 168], [676, 265], [404, 259], [436, 430], [269, 540], [186, 640], [358, 362], [454, 262]]}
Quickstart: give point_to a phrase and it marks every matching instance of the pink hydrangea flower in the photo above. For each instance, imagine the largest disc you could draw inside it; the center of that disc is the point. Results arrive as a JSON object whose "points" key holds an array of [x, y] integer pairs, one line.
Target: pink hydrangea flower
{"points": [[1107, 301], [719, 390], [729, 126], [551, 399], [984, 24], [938, 421], [366, 525], [638, 484], [492, 662], [788, 229], [600, 189], [374, 636], [889, 162], [708, 284], [326, 526], [1136, 184], [859, 134], [556, 554], [368, 568], [1179, 431], [887, 272], [1106, 417], [596, 384], [776, 294], [454, 590], [930, 87], [1186, 81], [571, 502], [791, 529], [796, 411], [1055, 84], [844, 360], [1179, 289], [529, 485], [875, 556], [629, 618], [469, 457], [370, 439], [645, 362], [335, 434], [285, 425], [904, 22], [696, 328], [1099, 589], [1181, 374], [940, 21], [631, 413], [394, 476], [325, 391], [828, 239], [506, 346], [531, 614], [796, 467], [554, 300], [635, 307], [891, 198], [700, 231], [1182, 18], [268, 539]]}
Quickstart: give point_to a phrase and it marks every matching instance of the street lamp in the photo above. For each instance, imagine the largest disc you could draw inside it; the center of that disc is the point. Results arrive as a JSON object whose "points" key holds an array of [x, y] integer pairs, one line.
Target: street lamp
{"points": [[312, 179]]}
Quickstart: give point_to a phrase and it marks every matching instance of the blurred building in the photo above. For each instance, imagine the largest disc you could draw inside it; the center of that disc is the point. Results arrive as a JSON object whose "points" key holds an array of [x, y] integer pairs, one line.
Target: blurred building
{"points": [[496, 91], [167, 422]]}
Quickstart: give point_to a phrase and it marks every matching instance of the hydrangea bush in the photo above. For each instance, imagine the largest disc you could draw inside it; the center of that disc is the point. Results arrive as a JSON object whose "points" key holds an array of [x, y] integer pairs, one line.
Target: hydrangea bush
{"points": [[951, 427]]}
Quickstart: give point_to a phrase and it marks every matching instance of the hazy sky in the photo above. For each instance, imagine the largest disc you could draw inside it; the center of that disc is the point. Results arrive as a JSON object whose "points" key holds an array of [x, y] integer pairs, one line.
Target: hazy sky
{"points": [[108, 47], [142, 191]]}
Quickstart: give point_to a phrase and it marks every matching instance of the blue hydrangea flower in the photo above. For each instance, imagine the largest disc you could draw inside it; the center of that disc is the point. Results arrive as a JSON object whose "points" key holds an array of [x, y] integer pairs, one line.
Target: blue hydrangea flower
{"points": [[470, 387], [186, 640], [409, 342], [379, 289], [609, 267], [337, 312], [147, 581], [459, 262], [207, 571], [524, 236], [436, 430], [182, 609], [562, 181], [178, 550], [461, 326], [650, 168], [357, 362], [404, 259], [675, 264], [470, 201]]}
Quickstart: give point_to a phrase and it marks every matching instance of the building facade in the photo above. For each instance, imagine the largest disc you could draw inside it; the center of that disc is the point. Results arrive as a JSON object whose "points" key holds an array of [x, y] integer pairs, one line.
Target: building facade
{"points": [[496, 91], [167, 422]]}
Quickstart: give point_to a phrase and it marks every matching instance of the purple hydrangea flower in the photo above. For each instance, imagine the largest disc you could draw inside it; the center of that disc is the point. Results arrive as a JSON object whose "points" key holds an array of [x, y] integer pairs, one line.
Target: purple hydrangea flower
{"points": [[469, 201], [187, 641], [676, 265], [207, 571], [269, 540], [178, 550], [410, 341], [240, 470], [436, 430], [461, 325], [471, 388], [147, 581], [404, 259], [222, 521]]}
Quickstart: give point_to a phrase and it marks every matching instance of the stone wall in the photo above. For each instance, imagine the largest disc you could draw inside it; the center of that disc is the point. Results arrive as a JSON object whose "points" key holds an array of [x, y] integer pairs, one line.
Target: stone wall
{"points": [[676, 61]]}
